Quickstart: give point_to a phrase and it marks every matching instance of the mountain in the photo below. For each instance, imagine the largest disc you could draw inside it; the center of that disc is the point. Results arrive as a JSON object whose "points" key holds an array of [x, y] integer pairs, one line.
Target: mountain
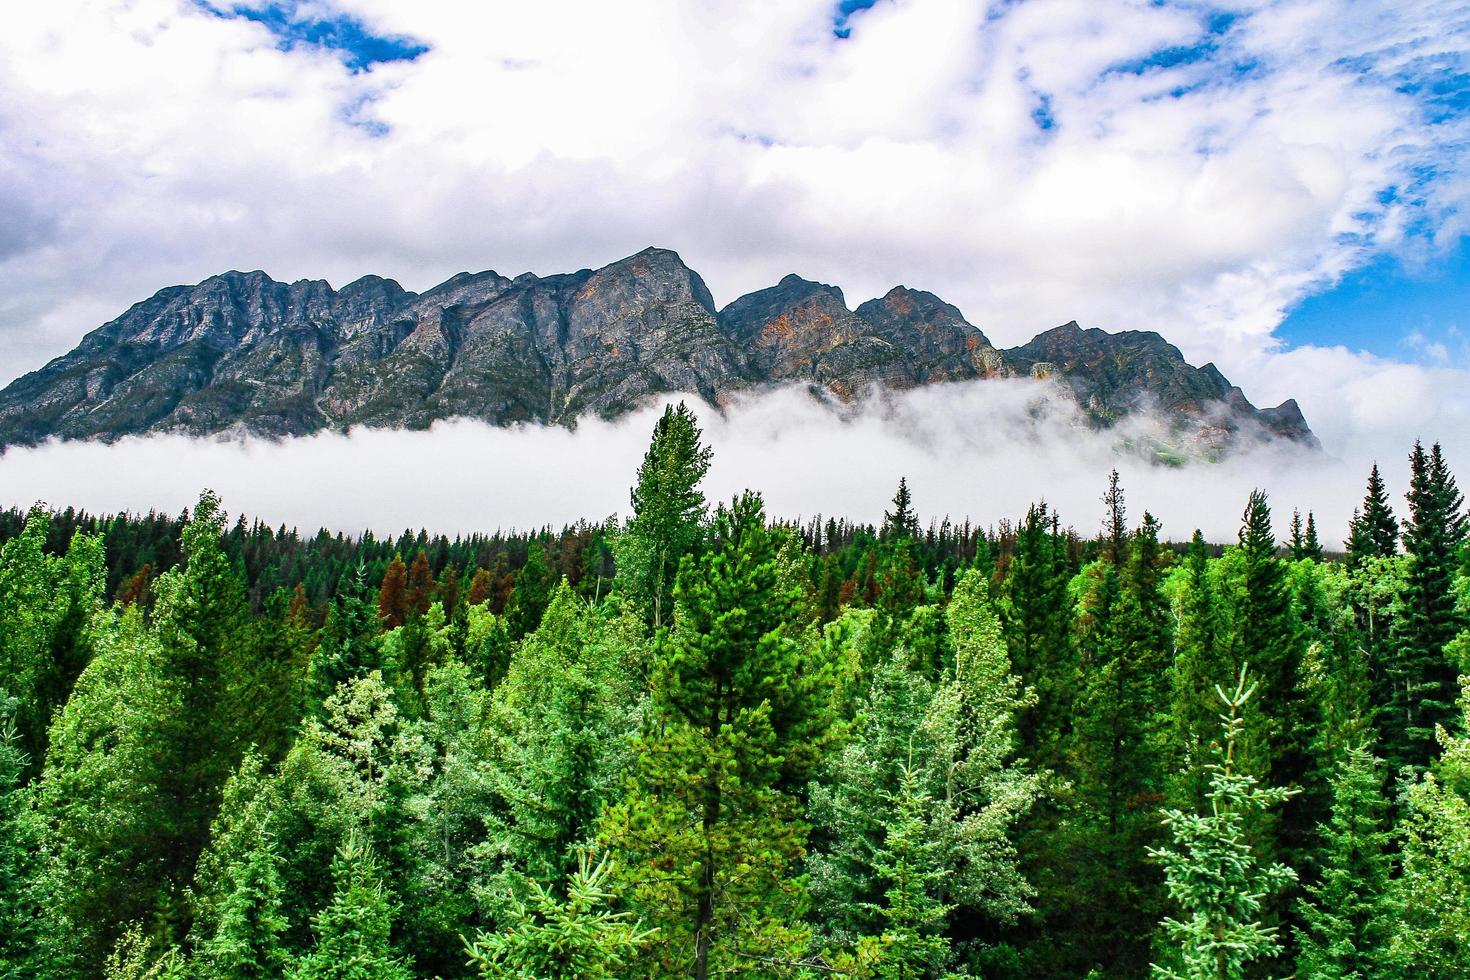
{"points": [[241, 351]]}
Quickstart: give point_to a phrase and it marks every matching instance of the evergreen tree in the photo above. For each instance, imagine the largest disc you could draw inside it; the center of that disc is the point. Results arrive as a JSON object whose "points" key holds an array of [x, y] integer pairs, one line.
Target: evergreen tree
{"points": [[709, 835], [668, 513], [576, 938], [45, 603], [1035, 611], [901, 522], [1380, 527], [420, 590], [957, 739], [17, 858], [246, 944], [1200, 654], [354, 932], [1267, 635], [912, 944], [530, 595], [393, 595], [1311, 543], [559, 729], [348, 646], [1304, 542], [1211, 872], [1427, 908], [1119, 771], [1423, 678], [1341, 935]]}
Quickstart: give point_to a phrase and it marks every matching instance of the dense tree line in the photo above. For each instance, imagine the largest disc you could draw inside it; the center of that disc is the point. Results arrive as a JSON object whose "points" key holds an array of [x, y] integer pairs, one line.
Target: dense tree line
{"points": [[705, 743]]}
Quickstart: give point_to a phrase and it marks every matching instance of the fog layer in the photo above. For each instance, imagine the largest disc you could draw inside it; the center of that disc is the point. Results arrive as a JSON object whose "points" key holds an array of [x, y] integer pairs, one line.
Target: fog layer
{"points": [[982, 450]]}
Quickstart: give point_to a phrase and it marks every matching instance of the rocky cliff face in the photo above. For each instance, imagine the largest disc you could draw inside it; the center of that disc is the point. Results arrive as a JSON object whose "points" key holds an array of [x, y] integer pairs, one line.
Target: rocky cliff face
{"points": [[242, 351]]}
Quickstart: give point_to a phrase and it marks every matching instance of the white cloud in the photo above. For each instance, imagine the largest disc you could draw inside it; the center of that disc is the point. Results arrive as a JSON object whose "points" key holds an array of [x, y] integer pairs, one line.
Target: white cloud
{"points": [[148, 142]]}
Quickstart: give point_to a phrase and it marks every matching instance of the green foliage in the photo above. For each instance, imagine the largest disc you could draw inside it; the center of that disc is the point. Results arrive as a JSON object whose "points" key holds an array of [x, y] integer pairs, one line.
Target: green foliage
{"points": [[1211, 872], [576, 938], [1428, 904], [948, 747], [559, 730], [45, 602]]}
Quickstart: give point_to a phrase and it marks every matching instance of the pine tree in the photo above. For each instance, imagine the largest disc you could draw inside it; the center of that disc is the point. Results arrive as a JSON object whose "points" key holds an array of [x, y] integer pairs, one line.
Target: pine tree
{"points": [[668, 514], [1211, 872], [354, 932], [1341, 935], [479, 588], [709, 836], [577, 938], [1423, 678]]}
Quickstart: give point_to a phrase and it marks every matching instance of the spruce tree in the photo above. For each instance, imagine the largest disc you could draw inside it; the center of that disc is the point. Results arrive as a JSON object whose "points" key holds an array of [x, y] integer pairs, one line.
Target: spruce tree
{"points": [[1423, 677], [1267, 635], [1035, 610], [1211, 871], [354, 932], [579, 937], [1200, 656], [1119, 776], [559, 730], [901, 522], [1381, 528], [1311, 543], [1341, 935], [912, 944], [668, 513]]}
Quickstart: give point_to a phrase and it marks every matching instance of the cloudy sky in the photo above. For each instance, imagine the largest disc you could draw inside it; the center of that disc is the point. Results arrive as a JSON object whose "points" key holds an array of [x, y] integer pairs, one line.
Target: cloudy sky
{"points": [[1280, 187]]}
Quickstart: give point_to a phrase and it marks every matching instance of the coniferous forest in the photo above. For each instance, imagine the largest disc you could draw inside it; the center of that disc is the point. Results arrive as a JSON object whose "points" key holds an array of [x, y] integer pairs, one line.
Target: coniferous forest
{"points": [[704, 743]]}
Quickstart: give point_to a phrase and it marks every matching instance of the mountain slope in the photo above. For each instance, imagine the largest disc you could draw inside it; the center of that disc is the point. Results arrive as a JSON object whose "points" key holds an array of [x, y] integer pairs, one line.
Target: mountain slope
{"points": [[241, 351]]}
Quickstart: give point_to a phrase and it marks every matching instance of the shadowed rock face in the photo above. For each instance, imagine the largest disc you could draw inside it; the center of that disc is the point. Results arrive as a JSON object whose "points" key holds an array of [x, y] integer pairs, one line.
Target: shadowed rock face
{"points": [[241, 351]]}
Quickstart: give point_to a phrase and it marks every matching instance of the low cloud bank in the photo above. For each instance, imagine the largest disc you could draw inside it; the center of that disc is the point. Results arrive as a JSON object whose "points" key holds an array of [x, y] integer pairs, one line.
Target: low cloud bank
{"points": [[981, 450]]}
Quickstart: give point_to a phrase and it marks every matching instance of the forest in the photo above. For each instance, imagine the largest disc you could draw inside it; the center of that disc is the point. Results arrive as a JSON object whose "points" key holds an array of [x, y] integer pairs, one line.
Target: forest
{"points": [[700, 742]]}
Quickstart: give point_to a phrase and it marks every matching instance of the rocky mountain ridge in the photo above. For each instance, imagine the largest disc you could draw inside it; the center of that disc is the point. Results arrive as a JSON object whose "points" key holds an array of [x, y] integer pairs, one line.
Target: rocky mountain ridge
{"points": [[241, 351]]}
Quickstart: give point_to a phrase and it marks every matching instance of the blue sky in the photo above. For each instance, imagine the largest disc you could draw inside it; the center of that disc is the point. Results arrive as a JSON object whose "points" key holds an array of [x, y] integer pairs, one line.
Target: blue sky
{"points": [[1416, 311]]}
